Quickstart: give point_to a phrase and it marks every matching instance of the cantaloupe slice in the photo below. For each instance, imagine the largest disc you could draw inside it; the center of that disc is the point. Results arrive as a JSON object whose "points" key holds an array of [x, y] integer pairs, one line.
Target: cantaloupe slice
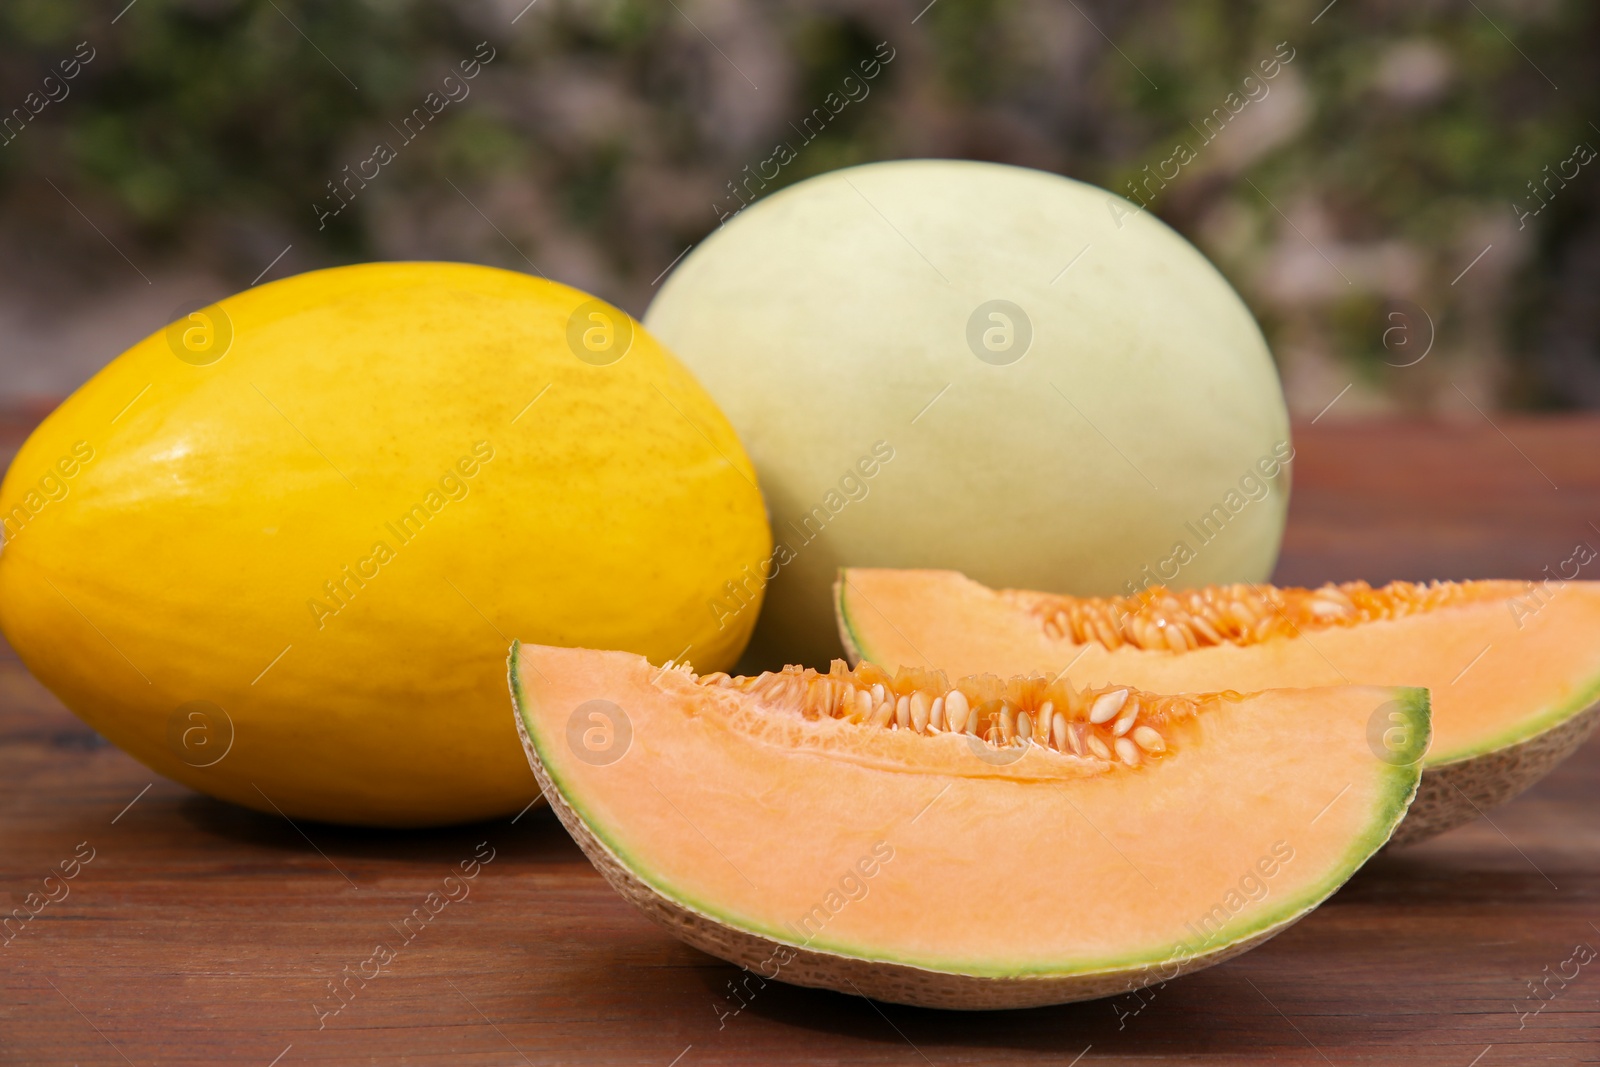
{"points": [[1513, 668], [947, 846]]}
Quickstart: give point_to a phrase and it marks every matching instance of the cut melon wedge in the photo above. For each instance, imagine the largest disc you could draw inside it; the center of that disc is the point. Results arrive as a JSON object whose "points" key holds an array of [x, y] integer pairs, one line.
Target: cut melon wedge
{"points": [[1513, 668], [903, 839]]}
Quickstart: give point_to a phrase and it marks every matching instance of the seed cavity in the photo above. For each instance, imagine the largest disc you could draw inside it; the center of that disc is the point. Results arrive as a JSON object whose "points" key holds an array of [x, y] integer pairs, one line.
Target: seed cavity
{"points": [[1161, 619], [1119, 727]]}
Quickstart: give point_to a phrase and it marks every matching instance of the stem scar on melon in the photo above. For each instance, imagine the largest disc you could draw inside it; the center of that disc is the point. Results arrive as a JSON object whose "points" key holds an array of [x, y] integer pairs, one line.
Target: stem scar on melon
{"points": [[1515, 679], [988, 843]]}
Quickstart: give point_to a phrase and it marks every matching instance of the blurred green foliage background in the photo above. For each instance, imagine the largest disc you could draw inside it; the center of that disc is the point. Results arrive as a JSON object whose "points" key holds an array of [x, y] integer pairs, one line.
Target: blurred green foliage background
{"points": [[1345, 198]]}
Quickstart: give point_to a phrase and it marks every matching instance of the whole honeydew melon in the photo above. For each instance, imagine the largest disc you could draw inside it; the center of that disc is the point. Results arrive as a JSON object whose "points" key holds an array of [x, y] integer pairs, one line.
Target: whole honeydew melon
{"points": [[275, 550], [984, 368]]}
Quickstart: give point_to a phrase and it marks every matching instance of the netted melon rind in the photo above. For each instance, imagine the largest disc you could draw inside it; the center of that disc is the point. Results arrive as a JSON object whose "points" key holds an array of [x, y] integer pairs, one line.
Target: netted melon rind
{"points": [[1453, 794]]}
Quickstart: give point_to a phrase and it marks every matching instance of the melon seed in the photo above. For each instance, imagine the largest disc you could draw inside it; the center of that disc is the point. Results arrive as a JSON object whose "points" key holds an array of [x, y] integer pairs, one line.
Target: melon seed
{"points": [[1242, 614], [920, 703], [1124, 724], [955, 709], [1174, 635], [1107, 706], [1149, 739]]}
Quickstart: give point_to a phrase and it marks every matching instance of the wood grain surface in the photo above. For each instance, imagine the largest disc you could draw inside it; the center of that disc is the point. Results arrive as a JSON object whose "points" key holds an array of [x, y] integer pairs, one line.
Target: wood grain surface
{"points": [[200, 933]]}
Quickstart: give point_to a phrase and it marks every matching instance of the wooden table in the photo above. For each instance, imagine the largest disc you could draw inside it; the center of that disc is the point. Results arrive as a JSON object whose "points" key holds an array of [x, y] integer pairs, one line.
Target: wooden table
{"points": [[204, 933]]}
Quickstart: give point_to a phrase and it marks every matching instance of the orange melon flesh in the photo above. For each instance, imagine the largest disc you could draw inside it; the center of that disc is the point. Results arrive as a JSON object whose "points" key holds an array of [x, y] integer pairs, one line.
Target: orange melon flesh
{"points": [[1505, 663], [739, 811]]}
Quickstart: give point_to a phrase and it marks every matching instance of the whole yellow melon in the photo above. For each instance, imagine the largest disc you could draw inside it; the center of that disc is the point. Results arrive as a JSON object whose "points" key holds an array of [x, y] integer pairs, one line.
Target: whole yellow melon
{"points": [[967, 366], [278, 550]]}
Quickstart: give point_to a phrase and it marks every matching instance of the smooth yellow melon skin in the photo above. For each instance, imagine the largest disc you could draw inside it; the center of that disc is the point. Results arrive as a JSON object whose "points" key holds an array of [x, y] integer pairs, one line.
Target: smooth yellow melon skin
{"points": [[185, 560], [837, 314]]}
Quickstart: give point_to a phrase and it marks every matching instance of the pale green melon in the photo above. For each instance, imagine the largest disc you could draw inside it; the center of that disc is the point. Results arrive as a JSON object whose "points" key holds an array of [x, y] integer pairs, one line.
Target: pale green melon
{"points": [[1118, 419]]}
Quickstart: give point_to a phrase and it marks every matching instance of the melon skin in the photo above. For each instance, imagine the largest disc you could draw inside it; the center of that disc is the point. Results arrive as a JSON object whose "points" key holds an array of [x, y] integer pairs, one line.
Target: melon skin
{"points": [[205, 592], [831, 322], [1515, 673], [707, 785], [1455, 793]]}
